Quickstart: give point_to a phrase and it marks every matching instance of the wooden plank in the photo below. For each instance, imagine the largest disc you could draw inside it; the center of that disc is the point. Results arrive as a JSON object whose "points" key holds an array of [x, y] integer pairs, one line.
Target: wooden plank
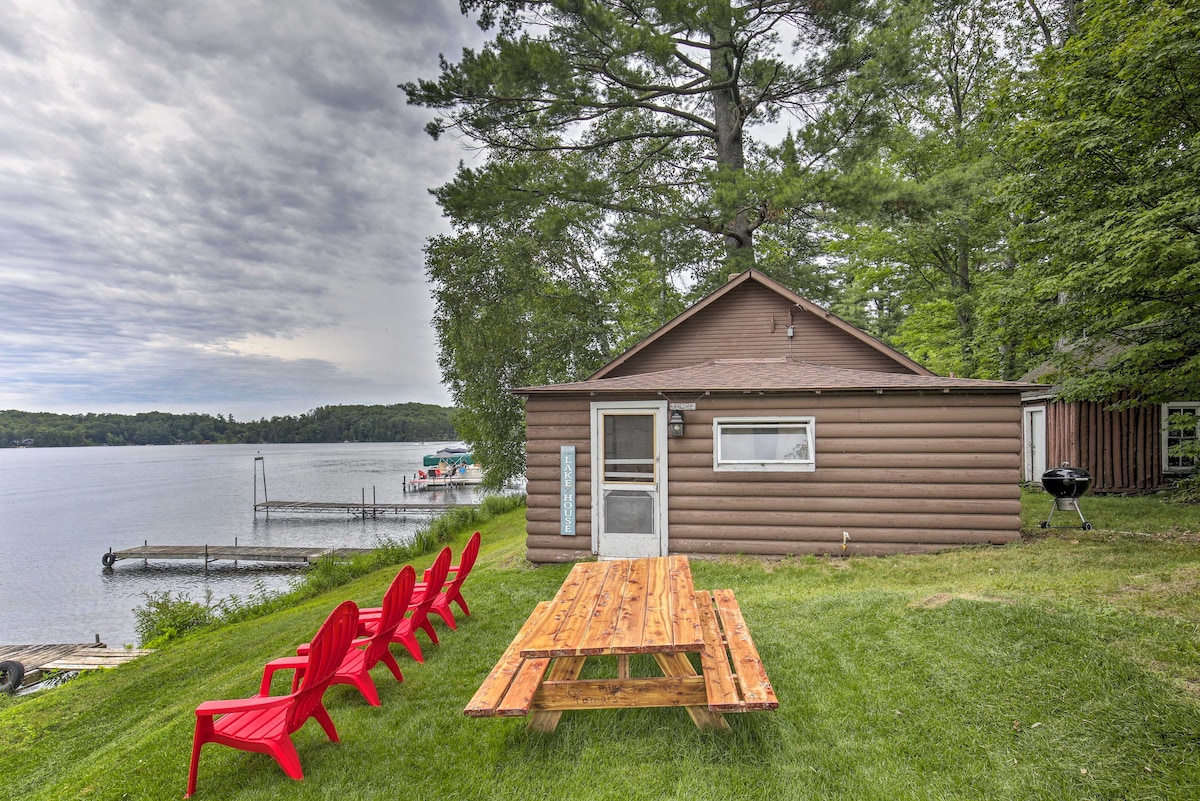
{"points": [[657, 632], [41, 658], [685, 621], [678, 665], [94, 658], [630, 621], [566, 668], [756, 689], [571, 633], [525, 683], [598, 639], [714, 661], [246, 553], [569, 614], [651, 691], [491, 692]]}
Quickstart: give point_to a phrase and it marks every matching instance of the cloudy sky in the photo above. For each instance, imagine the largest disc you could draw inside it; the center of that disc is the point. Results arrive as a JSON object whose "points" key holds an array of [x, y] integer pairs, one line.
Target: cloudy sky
{"points": [[218, 206]]}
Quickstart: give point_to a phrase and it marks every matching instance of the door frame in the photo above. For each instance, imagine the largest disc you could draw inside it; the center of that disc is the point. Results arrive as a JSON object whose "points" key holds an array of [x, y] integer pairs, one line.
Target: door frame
{"points": [[1033, 430], [659, 409]]}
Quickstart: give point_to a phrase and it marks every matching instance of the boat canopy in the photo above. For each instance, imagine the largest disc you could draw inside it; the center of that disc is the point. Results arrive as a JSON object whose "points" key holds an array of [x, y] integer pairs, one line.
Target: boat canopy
{"points": [[449, 456]]}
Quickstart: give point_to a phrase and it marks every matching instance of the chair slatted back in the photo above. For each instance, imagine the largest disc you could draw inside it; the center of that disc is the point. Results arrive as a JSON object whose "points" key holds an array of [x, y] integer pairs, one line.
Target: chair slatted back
{"points": [[465, 563], [325, 653], [395, 605], [433, 584]]}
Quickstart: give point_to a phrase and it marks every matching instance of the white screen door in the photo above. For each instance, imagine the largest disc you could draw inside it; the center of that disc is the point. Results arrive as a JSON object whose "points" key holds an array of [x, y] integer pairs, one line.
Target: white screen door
{"points": [[629, 479]]}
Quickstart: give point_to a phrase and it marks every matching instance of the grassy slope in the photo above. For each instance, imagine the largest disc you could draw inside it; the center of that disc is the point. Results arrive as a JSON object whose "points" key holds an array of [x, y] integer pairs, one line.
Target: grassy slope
{"points": [[1059, 668]]}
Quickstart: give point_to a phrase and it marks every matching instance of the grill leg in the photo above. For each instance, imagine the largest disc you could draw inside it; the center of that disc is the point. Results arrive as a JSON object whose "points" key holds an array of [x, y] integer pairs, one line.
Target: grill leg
{"points": [[1053, 506], [1065, 504]]}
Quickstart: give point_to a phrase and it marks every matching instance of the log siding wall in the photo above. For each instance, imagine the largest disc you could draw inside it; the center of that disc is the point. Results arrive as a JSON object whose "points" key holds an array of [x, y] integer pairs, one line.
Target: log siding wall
{"points": [[1121, 449], [753, 320], [900, 472]]}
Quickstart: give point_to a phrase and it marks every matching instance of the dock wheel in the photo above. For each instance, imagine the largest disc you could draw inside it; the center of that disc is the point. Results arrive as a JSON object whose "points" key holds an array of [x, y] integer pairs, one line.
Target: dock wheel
{"points": [[1044, 524], [108, 559], [1087, 526], [11, 674]]}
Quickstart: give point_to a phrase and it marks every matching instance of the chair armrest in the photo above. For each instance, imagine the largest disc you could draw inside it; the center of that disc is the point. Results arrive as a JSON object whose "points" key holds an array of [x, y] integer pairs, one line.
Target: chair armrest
{"points": [[210, 708], [282, 663]]}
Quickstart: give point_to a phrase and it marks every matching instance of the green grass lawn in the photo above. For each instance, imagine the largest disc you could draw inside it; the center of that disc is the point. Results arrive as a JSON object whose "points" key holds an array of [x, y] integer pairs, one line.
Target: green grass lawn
{"points": [[1063, 667]]}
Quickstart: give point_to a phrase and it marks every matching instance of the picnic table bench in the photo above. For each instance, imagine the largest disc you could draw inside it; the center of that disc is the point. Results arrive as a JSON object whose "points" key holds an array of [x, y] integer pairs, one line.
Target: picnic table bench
{"points": [[622, 608]]}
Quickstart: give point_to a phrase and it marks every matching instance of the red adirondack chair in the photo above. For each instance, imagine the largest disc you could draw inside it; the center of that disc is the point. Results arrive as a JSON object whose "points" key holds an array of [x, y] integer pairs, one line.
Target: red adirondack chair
{"points": [[452, 592], [264, 724], [418, 618], [362, 654]]}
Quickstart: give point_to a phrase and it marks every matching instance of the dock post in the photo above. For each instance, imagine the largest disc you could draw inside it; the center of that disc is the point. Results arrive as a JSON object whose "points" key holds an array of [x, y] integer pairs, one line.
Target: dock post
{"points": [[206, 557], [266, 508], [145, 562]]}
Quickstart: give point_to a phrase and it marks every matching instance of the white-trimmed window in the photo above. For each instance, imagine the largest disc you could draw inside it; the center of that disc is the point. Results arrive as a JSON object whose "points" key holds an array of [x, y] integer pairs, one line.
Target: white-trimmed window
{"points": [[764, 443], [1175, 435]]}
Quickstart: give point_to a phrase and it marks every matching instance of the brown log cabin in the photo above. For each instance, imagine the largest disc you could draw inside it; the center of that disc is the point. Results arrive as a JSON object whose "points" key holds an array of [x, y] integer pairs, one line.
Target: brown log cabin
{"points": [[756, 422]]}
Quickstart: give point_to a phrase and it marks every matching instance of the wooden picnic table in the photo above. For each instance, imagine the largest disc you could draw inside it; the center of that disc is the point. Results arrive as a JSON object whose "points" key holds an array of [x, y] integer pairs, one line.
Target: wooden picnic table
{"points": [[620, 608]]}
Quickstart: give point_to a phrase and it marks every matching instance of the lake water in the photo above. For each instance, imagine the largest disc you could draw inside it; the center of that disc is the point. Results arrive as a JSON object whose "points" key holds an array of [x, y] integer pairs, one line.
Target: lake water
{"points": [[61, 509]]}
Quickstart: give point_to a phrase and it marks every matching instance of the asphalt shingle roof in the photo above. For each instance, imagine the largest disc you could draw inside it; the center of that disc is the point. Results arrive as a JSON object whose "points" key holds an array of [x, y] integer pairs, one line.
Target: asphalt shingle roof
{"points": [[772, 375]]}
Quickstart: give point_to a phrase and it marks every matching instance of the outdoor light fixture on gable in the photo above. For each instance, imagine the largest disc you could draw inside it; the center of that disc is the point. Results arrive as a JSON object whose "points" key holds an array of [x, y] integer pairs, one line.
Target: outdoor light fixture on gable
{"points": [[675, 428]]}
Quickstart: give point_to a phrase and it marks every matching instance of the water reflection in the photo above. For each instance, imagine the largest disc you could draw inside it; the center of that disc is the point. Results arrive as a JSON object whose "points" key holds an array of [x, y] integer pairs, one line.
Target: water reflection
{"points": [[62, 508]]}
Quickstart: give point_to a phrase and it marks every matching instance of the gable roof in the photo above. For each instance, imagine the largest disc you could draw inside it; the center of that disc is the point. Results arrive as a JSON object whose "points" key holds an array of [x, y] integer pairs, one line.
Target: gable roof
{"points": [[771, 375], [791, 297]]}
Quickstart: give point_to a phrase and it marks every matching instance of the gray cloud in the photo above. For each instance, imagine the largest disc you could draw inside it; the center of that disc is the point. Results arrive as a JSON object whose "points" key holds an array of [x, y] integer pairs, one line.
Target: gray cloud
{"points": [[218, 203]]}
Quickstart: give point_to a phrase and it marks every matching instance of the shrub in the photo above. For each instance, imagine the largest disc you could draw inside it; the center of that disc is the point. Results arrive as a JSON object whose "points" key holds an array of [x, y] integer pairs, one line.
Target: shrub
{"points": [[164, 616], [1186, 490]]}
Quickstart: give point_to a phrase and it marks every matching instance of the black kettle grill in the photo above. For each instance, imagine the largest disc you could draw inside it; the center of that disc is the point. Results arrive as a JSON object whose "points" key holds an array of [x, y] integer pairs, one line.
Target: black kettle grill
{"points": [[1067, 484]]}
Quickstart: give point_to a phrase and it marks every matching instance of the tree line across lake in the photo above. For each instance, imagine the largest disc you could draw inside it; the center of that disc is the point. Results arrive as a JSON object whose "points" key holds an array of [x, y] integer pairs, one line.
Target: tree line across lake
{"points": [[401, 422]]}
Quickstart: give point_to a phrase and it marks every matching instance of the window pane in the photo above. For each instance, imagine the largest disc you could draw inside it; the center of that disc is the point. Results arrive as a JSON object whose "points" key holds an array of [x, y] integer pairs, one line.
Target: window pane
{"points": [[764, 444], [1181, 435], [629, 448]]}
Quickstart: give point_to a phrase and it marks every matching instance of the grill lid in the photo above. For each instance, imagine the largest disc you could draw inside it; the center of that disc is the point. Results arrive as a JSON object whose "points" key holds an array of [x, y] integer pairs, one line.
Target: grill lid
{"points": [[1066, 481]]}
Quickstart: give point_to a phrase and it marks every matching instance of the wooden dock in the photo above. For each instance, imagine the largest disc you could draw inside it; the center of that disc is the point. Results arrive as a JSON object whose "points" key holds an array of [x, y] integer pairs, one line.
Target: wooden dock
{"points": [[354, 508], [41, 659], [235, 553]]}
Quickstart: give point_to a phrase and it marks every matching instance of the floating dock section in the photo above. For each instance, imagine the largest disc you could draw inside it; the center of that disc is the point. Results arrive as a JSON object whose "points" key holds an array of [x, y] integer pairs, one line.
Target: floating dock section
{"points": [[235, 553], [38, 660]]}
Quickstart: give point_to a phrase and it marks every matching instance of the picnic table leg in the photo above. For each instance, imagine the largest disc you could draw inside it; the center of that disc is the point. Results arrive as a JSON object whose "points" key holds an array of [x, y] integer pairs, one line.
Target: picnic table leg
{"points": [[565, 668], [680, 665]]}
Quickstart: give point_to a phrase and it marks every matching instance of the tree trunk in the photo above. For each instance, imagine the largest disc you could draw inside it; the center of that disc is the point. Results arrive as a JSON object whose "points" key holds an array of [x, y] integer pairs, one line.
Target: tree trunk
{"points": [[728, 120]]}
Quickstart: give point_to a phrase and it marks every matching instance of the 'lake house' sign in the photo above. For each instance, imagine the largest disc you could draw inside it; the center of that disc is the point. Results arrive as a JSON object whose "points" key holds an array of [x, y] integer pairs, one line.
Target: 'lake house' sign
{"points": [[567, 489]]}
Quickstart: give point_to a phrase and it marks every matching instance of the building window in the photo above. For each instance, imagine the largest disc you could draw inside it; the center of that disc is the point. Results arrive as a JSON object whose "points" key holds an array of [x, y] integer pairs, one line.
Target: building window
{"points": [[1181, 429], [764, 443]]}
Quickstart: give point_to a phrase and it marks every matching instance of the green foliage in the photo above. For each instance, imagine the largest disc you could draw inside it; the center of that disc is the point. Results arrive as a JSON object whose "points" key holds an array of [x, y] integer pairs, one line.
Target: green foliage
{"points": [[402, 422], [163, 616], [1186, 491], [1107, 170], [919, 230], [621, 181], [658, 97]]}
